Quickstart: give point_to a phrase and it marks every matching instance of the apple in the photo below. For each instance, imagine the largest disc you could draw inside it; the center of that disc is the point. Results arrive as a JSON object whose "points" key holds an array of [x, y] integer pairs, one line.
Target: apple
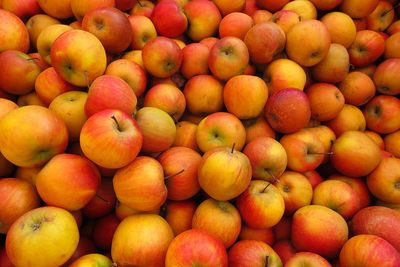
{"points": [[264, 41], [203, 94], [33, 235], [392, 144], [320, 230], [285, 19], [284, 249], [313, 177], [357, 88], [162, 57], [326, 4], [257, 127], [192, 247], [92, 259], [169, 19], [77, 68], [85, 246], [356, 9], [235, 24], [114, 133], [23, 9], [6, 106], [60, 9], [18, 72], [341, 27], [180, 165], [186, 135], [305, 9], [224, 173], [265, 235], [157, 127], [30, 99], [368, 251], [142, 7], [141, 240], [282, 74], [32, 135], [4, 260], [247, 253], [104, 230], [385, 77], [103, 202], [168, 98], [125, 5], [380, 114], [143, 30], [350, 118], [15, 35], [296, 190], [80, 9], [392, 46], [260, 16], [377, 220], [101, 22], [301, 258], [267, 157], [194, 60], [315, 39], [203, 19], [282, 230], [228, 57], [355, 154], [179, 215], [219, 218], [377, 138], [366, 48], [288, 110], [272, 6], [261, 205], [381, 17], [19, 197], [227, 7]]}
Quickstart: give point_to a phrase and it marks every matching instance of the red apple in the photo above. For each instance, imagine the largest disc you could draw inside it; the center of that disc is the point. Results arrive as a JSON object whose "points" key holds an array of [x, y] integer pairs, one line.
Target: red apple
{"points": [[301, 258], [385, 77], [366, 48], [103, 202], [169, 19], [14, 33], [265, 235], [285, 250], [179, 215], [248, 253], [104, 230]]}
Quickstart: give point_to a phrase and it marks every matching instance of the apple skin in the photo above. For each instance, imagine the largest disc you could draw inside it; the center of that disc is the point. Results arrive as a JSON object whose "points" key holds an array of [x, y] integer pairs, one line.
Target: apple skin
{"points": [[111, 26], [142, 8], [18, 72], [85, 246], [339, 20], [60, 9], [235, 24], [56, 188], [194, 60], [162, 57], [92, 259], [326, 4], [368, 251], [248, 253], [265, 235], [355, 154], [180, 165], [80, 8], [143, 30], [32, 123], [23, 9], [4, 260], [392, 144], [141, 240], [381, 17], [267, 157], [169, 19], [350, 118], [261, 205], [15, 35], [385, 77], [219, 218], [224, 173], [179, 214], [320, 230], [104, 230], [284, 249], [356, 9], [300, 258], [193, 247], [257, 127], [264, 41], [112, 132], [186, 135], [33, 235], [103, 202], [392, 46], [228, 57], [19, 197], [366, 48], [6, 106], [380, 114], [357, 88]]}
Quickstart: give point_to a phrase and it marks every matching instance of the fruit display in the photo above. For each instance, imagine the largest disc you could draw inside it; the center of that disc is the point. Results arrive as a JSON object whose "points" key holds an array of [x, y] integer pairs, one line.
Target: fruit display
{"points": [[211, 133]]}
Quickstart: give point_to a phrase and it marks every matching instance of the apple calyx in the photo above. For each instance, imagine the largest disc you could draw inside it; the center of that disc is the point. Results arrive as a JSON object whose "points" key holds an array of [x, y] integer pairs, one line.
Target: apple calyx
{"points": [[175, 174]]}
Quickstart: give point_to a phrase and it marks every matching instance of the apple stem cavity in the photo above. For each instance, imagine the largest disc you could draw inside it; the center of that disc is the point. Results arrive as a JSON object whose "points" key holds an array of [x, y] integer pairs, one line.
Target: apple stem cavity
{"points": [[265, 188], [233, 148], [105, 200], [390, 10], [266, 260], [116, 122], [175, 174], [140, 4]]}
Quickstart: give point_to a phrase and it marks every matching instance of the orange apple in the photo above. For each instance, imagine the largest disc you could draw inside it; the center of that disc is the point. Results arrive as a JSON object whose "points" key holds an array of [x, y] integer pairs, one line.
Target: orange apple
{"points": [[350, 118], [285, 19], [261, 15], [15, 35], [381, 17], [248, 253], [194, 60], [392, 46], [142, 7], [313, 259], [81, 8], [305, 9], [257, 127], [143, 30], [179, 215], [59, 9], [284, 249], [357, 9], [227, 7], [392, 144], [91, 260], [385, 77], [381, 114], [357, 88], [326, 4], [6, 106], [341, 28], [38, 23], [265, 235], [367, 47], [272, 6], [235, 24], [186, 135]]}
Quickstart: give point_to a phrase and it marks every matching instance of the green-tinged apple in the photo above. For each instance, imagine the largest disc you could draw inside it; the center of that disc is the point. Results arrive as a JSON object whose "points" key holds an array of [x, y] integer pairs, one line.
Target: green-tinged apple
{"points": [[228, 57], [141, 240], [367, 47], [104, 230], [193, 247], [308, 259], [296, 190], [103, 202], [180, 165], [47, 37], [131, 72], [14, 33], [92, 260], [369, 251], [267, 157], [385, 77], [315, 39], [380, 221], [245, 96], [224, 173], [288, 110], [18, 72], [110, 92], [78, 68], [162, 57], [179, 215], [235, 24], [355, 154], [320, 230], [381, 114], [203, 94], [158, 129], [261, 205], [111, 26], [194, 60], [143, 30], [80, 8], [265, 235], [169, 19], [168, 98], [140, 185], [58, 9], [18, 197], [32, 135], [36, 24], [111, 139], [249, 253], [284, 73], [33, 235], [220, 219], [264, 42], [341, 28], [68, 181]]}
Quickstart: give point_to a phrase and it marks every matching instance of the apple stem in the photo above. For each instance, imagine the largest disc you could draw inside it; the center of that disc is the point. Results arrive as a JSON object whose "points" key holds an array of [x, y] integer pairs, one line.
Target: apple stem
{"points": [[105, 200], [172, 175], [265, 188], [321, 153], [140, 4], [233, 147], [274, 179], [266, 260], [388, 11], [115, 119], [32, 59]]}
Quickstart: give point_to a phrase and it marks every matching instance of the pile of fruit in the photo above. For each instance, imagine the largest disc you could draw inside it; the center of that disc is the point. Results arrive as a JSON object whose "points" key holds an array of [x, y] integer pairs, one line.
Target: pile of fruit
{"points": [[199, 133]]}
